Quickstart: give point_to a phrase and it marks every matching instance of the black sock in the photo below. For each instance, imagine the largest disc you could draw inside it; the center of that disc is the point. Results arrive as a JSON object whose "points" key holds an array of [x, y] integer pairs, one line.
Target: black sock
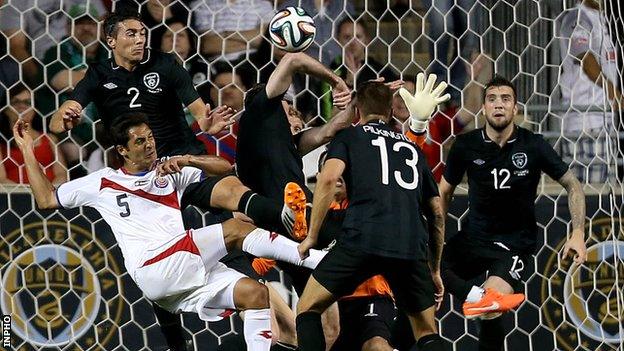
{"points": [[265, 212], [455, 285], [431, 342], [310, 332], [171, 328], [492, 335], [281, 346]]}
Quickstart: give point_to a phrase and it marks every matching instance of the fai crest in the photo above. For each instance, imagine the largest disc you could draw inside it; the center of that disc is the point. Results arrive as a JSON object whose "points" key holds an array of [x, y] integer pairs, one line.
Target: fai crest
{"points": [[151, 80], [519, 159]]}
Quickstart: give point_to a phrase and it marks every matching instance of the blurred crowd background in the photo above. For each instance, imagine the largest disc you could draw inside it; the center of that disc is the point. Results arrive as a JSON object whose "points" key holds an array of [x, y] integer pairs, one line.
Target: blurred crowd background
{"points": [[46, 45]]}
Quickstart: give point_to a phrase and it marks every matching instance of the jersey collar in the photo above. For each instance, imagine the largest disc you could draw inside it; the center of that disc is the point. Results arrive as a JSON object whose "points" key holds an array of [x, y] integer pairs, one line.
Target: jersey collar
{"points": [[115, 66], [512, 138], [139, 174]]}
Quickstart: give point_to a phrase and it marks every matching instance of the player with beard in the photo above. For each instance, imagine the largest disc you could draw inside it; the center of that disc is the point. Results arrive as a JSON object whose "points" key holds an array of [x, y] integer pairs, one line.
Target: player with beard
{"points": [[504, 163]]}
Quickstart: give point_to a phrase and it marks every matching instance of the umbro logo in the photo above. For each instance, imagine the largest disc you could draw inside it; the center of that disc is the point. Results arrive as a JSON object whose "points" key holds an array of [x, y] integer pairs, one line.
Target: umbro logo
{"points": [[110, 86], [478, 162]]}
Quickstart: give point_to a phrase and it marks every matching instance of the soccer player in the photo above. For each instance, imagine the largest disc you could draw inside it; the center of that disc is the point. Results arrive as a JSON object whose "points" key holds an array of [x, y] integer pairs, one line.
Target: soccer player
{"points": [[271, 141], [504, 164], [137, 79], [389, 188], [175, 269]]}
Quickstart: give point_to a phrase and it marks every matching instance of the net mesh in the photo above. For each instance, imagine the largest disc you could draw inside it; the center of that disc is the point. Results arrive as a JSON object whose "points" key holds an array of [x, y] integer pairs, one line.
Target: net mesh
{"points": [[63, 281]]}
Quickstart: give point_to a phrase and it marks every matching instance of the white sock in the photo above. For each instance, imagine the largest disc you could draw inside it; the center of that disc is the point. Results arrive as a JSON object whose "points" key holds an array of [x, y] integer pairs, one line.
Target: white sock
{"points": [[262, 243], [475, 294], [257, 329]]}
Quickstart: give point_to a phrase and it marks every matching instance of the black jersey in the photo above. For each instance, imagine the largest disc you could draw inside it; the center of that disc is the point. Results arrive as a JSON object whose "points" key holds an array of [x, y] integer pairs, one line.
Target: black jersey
{"points": [[388, 183], [266, 153], [158, 87], [502, 183]]}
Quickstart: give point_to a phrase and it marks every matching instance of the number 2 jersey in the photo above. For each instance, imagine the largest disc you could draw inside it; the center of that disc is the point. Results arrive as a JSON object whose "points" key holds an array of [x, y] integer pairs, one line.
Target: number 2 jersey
{"points": [[502, 184], [388, 186], [142, 210], [158, 87]]}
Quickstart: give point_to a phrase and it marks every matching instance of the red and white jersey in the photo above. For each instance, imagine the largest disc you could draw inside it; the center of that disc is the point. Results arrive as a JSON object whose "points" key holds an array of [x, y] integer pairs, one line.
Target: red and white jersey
{"points": [[142, 210]]}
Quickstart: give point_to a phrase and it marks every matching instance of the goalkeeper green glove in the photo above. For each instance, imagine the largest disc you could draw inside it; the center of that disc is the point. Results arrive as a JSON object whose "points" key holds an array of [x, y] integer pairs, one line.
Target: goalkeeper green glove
{"points": [[424, 101]]}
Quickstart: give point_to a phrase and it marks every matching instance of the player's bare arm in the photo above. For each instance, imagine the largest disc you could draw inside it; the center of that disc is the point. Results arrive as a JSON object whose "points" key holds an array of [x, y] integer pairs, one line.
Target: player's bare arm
{"points": [[593, 70], [436, 219], [446, 195], [211, 165], [291, 63], [42, 188], [317, 136], [323, 197], [212, 121], [66, 117], [576, 205]]}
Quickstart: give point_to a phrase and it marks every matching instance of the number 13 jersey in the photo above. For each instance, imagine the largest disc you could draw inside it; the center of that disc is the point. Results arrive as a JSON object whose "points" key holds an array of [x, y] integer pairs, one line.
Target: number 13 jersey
{"points": [[502, 184], [388, 183]]}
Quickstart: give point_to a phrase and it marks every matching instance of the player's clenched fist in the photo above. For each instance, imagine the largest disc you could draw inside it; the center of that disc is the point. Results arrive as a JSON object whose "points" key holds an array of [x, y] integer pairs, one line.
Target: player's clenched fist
{"points": [[424, 101]]}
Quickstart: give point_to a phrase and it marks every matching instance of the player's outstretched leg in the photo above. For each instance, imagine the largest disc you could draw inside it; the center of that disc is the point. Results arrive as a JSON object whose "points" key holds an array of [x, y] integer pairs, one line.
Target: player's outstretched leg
{"points": [[253, 298], [228, 193], [256, 241]]}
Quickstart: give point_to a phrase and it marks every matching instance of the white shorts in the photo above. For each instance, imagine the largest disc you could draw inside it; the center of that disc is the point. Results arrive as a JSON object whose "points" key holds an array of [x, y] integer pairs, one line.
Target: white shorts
{"points": [[185, 275]]}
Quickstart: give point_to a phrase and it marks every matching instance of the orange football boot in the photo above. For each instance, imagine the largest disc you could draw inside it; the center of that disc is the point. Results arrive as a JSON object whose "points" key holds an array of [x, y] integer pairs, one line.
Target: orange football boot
{"points": [[492, 302], [295, 199]]}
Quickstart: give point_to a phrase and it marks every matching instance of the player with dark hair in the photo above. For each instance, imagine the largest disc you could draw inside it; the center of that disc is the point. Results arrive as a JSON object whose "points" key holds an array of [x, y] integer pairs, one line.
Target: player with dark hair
{"points": [[504, 163], [137, 79], [390, 189], [176, 269]]}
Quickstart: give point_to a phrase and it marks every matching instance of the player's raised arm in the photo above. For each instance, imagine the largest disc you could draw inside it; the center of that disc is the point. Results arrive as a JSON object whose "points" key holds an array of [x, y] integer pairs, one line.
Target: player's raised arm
{"points": [[576, 205], [323, 197], [209, 164], [317, 136], [424, 101], [291, 63], [42, 188]]}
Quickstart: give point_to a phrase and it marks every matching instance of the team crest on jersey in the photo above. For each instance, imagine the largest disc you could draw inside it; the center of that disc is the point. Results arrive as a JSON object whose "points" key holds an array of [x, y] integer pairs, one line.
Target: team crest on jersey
{"points": [[161, 182], [519, 159], [151, 81]]}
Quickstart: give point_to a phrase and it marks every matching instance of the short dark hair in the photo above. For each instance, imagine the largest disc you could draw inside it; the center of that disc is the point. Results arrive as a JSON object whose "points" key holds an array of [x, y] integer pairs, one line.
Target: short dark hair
{"points": [[112, 20], [122, 124], [374, 98], [500, 81]]}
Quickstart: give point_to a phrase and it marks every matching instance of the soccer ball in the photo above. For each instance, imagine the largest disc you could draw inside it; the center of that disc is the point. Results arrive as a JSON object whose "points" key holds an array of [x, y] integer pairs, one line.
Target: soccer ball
{"points": [[292, 29]]}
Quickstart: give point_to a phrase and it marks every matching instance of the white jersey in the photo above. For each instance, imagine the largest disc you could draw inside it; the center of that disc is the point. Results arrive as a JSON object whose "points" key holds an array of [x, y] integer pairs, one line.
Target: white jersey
{"points": [[143, 210], [582, 30]]}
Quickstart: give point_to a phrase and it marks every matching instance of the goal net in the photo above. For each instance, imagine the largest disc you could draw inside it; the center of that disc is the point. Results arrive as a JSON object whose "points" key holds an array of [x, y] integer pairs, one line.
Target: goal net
{"points": [[63, 284]]}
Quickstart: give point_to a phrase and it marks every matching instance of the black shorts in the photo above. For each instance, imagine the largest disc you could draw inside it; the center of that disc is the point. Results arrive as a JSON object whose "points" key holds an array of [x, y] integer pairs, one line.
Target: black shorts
{"points": [[361, 319], [469, 257], [343, 269], [241, 262]]}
